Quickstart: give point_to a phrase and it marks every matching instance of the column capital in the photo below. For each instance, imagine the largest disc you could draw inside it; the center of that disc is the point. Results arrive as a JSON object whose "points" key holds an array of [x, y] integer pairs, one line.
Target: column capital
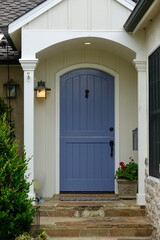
{"points": [[140, 65], [28, 64]]}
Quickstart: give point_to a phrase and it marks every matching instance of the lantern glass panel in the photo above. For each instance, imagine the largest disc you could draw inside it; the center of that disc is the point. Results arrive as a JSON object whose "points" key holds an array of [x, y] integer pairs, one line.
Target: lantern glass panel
{"points": [[41, 93], [11, 91]]}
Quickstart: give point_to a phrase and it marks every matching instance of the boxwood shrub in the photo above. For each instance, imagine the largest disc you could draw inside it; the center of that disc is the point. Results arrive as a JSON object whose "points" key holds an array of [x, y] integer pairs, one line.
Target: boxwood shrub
{"points": [[16, 211]]}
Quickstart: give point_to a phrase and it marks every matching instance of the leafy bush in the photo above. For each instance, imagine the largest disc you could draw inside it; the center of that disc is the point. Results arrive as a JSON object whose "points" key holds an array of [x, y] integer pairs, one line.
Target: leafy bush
{"points": [[127, 171], [5, 109], [16, 212], [41, 235]]}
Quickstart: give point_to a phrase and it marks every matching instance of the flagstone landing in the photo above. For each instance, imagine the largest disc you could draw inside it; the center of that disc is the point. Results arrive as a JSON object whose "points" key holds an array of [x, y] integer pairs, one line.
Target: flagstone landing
{"points": [[107, 220]]}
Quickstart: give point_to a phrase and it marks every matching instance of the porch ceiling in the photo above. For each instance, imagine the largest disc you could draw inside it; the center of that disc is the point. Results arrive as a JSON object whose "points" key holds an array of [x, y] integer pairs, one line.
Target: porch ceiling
{"points": [[96, 43]]}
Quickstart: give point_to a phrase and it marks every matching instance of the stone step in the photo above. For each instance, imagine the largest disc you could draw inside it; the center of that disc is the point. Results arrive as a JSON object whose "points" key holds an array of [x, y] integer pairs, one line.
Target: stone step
{"points": [[57, 208], [79, 205], [94, 220], [92, 212], [105, 226], [100, 238]]}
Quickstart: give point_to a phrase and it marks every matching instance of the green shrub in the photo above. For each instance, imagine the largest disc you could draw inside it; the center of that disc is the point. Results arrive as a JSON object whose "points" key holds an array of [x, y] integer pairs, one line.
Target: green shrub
{"points": [[5, 109], [16, 212], [41, 235]]}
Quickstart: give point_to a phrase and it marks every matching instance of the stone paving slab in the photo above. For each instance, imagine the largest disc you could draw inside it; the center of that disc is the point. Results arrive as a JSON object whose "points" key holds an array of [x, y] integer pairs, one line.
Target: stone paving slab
{"points": [[100, 220], [99, 238], [104, 222], [54, 203], [114, 232], [91, 212]]}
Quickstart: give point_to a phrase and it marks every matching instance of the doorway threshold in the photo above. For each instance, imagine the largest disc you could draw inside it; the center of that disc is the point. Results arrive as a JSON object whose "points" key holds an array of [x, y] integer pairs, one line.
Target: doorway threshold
{"points": [[85, 194]]}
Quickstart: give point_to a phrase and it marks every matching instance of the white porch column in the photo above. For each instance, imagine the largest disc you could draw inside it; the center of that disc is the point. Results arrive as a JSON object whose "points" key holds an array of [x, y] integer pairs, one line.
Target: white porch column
{"points": [[29, 66], [142, 128]]}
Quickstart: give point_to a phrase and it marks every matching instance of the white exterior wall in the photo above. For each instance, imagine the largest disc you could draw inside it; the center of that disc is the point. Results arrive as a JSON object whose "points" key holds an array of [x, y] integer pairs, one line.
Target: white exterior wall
{"points": [[45, 111], [153, 184], [82, 15], [153, 35], [63, 29]]}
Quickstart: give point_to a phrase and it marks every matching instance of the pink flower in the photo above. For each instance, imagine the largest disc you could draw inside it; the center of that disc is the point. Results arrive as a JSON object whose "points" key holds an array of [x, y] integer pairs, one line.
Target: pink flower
{"points": [[121, 163], [132, 160]]}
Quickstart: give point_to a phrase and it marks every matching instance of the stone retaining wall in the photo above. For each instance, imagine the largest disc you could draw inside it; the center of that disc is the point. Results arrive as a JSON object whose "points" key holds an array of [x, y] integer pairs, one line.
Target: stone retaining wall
{"points": [[153, 201]]}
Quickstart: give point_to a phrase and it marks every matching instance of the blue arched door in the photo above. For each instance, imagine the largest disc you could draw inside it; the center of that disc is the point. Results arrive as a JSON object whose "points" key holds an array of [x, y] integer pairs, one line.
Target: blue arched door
{"points": [[86, 131]]}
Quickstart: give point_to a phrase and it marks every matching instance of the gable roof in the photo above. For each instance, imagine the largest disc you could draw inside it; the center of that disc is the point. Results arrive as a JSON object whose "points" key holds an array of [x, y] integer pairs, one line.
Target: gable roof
{"points": [[10, 10]]}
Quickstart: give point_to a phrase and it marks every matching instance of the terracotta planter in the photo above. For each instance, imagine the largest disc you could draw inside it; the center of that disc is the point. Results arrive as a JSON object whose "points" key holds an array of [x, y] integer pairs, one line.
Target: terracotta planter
{"points": [[127, 188]]}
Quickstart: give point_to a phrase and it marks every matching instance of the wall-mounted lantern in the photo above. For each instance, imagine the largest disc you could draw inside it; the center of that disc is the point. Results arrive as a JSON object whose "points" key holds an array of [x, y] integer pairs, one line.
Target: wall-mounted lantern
{"points": [[11, 89], [41, 90]]}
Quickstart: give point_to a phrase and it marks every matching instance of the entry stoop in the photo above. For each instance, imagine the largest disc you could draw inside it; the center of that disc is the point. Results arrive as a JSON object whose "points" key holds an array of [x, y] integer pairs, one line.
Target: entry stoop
{"points": [[114, 220]]}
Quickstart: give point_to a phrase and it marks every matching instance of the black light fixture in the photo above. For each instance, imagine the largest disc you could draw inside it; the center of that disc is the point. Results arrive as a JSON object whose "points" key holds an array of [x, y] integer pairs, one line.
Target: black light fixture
{"points": [[11, 89], [41, 90]]}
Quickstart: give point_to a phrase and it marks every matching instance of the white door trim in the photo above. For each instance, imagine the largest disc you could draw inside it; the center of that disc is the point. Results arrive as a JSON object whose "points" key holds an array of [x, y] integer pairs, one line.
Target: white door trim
{"points": [[57, 117]]}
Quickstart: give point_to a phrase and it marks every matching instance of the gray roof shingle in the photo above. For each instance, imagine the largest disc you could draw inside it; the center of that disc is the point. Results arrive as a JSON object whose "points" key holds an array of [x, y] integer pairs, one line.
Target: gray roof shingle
{"points": [[10, 10]]}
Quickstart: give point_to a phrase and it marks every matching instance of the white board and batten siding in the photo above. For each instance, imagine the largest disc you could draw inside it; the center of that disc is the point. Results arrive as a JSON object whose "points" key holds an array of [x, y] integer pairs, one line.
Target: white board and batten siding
{"points": [[45, 111], [87, 15], [81, 15]]}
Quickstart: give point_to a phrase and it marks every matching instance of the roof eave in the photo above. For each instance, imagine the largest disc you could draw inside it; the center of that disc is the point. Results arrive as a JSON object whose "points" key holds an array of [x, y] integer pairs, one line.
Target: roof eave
{"points": [[32, 14], [135, 17], [7, 36]]}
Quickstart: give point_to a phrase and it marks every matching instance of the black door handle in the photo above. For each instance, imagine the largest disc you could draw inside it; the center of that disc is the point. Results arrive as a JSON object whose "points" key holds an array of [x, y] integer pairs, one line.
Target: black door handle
{"points": [[111, 144], [87, 92]]}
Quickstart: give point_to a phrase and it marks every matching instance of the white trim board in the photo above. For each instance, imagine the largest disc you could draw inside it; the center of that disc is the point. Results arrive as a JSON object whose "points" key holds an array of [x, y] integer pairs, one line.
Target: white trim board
{"points": [[57, 133], [51, 37], [145, 16], [127, 3], [32, 14], [43, 7]]}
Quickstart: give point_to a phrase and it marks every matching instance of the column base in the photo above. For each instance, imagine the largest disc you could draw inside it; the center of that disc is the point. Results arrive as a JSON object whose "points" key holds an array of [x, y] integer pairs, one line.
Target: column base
{"points": [[141, 199]]}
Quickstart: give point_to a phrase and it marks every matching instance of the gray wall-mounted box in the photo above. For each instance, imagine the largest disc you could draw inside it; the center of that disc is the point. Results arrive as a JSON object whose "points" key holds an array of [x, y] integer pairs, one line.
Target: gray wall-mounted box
{"points": [[135, 139]]}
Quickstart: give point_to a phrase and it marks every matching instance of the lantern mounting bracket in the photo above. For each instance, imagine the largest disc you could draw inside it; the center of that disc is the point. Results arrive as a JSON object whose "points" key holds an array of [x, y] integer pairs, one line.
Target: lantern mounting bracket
{"points": [[28, 76]]}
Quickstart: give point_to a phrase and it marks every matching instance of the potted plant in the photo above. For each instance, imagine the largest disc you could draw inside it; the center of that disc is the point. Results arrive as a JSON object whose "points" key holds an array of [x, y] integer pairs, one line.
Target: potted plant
{"points": [[127, 179]]}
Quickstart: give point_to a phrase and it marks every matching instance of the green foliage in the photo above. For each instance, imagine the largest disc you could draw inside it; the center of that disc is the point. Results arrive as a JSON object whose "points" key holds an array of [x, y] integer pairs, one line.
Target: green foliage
{"points": [[24, 236], [41, 235], [16, 212], [127, 171], [5, 109]]}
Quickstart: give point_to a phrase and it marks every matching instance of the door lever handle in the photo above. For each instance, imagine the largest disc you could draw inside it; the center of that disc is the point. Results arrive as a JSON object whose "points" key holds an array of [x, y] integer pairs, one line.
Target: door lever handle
{"points": [[111, 144]]}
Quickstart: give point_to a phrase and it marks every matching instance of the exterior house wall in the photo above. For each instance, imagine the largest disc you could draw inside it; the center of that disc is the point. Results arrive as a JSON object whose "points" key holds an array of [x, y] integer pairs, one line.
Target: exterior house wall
{"points": [[74, 21], [82, 15], [45, 111], [16, 74], [153, 184]]}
